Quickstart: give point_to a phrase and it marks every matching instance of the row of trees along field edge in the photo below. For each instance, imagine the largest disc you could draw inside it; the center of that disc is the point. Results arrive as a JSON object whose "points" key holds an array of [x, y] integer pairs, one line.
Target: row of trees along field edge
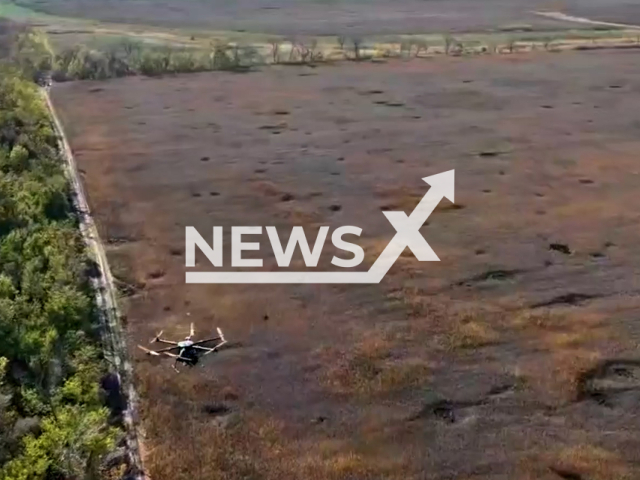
{"points": [[53, 420]]}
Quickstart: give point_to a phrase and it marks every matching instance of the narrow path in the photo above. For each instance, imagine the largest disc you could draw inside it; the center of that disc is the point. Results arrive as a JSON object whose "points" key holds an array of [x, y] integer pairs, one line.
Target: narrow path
{"points": [[114, 346], [583, 20]]}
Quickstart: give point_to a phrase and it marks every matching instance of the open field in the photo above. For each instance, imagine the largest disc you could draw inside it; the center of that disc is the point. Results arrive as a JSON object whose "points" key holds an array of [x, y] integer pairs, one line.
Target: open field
{"points": [[515, 357], [535, 30], [330, 17]]}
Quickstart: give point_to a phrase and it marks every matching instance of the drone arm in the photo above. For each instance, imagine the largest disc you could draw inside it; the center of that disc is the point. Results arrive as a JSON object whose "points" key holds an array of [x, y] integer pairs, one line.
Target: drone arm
{"points": [[158, 338], [210, 350], [168, 349], [147, 351], [178, 357], [211, 339], [162, 351], [200, 342], [198, 347]]}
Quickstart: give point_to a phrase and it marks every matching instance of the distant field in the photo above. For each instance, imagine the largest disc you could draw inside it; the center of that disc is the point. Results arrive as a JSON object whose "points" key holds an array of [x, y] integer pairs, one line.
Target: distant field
{"points": [[544, 31], [328, 17], [515, 357]]}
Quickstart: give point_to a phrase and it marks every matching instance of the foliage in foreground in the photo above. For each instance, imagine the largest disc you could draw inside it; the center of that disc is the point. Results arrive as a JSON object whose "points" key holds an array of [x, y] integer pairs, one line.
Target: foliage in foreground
{"points": [[52, 420]]}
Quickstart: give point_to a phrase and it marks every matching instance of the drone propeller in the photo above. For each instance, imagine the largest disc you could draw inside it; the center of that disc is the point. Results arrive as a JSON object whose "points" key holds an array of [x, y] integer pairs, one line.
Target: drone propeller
{"points": [[193, 331], [221, 335], [157, 337]]}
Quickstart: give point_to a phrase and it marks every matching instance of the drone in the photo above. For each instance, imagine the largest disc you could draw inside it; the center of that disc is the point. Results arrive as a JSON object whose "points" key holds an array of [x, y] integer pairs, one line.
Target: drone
{"points": [[188, 350]]}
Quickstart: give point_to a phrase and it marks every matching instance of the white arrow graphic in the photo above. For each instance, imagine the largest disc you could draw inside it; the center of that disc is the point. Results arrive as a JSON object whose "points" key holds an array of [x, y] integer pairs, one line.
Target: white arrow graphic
{"points": [[407, 235]]}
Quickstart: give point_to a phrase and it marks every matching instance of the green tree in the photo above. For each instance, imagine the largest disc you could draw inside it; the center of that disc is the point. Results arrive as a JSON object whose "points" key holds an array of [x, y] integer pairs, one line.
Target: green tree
{"points": [[7, 416], [33, 53], [52, 422], [71, 445]]}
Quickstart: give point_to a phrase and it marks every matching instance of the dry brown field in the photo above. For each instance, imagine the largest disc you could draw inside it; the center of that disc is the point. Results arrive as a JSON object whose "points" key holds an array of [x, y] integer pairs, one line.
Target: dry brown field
{"points": [[332, 17], [514, 358]]}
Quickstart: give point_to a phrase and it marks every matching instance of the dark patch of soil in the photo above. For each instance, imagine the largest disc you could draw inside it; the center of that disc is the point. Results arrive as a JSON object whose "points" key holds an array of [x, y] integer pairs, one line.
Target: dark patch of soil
{"points": [[572, 299], [560, 247], [216, 409]]}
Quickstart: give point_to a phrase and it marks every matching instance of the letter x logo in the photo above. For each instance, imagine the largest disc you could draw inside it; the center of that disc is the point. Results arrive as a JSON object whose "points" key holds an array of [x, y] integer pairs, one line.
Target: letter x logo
{"points": [[408, 227]]}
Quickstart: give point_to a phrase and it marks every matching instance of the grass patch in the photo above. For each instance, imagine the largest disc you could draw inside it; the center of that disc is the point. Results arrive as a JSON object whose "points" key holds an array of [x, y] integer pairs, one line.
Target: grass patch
{"points": [[471, 332], [371, 368], [589, 461]]}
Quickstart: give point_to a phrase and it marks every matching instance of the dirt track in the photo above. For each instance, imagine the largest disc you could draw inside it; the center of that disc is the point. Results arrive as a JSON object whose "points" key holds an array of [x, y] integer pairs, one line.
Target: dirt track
{"points": [[570, 18], [112, 333], [514, 357]]}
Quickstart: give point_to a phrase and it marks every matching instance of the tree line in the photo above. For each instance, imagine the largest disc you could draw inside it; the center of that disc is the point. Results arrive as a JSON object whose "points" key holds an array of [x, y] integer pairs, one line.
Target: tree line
{"points": [[53, 419], [31, 50]]}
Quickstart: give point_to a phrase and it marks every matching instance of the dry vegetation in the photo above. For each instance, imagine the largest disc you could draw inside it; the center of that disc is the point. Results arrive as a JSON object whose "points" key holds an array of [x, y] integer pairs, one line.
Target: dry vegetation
{"points": [[452, 368], [370, 369]]}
